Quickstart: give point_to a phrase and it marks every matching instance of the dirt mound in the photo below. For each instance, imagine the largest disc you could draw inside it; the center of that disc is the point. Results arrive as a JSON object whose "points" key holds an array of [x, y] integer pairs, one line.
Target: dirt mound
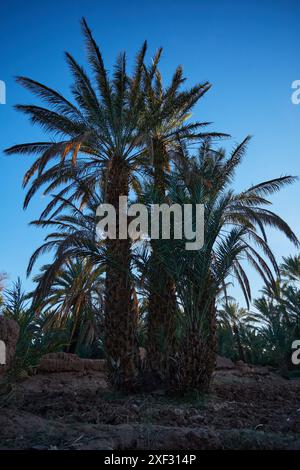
{"points": [[9, 334], [94, 364], [240, 367], [224, 363], [66, 362]]}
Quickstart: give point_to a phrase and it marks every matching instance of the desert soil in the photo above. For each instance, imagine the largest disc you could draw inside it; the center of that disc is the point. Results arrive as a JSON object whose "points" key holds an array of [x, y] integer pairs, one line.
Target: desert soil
{"points": [[68, 410]]}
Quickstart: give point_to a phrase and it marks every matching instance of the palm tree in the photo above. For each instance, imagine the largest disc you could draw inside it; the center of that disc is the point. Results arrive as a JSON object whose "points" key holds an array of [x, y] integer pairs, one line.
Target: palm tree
{"points": [[98, 134], [234, 231], [279, 313], [290, 268], [167, 110], [235, 319], [74, 301], [276, 330], [34, 341]]}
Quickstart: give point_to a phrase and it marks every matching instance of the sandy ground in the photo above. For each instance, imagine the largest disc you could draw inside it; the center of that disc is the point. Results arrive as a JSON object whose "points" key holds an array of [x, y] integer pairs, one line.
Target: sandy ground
{"points": [[77, 411]]}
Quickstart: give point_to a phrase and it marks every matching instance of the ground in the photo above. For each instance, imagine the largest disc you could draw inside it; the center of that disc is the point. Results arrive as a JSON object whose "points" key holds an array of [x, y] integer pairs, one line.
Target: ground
{"points": [[71, 410]]}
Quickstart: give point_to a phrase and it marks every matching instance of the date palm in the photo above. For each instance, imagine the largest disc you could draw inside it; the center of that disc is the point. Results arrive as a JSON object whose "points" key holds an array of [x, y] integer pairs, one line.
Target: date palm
{"points": [[234, 233], [74, 301], [34, 341], [279, 313], [167, 113], [71, 290], [290, 268], [233, 317], [277, 330], [98, 134]]}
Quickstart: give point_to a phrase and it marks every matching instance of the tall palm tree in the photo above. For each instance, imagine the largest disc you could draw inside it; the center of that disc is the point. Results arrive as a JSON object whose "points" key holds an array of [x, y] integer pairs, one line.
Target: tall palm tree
{"points": [[167, 110], [234, 231], [99, 132]]}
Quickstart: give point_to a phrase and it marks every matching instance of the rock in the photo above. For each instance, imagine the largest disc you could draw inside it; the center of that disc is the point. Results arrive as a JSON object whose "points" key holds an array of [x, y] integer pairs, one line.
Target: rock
{"points": [[9, 334], [224, 363]]}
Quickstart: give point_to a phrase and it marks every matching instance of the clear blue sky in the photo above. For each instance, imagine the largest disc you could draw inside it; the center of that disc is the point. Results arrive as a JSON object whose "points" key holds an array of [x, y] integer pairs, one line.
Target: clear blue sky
{"points": [[248, 50]]}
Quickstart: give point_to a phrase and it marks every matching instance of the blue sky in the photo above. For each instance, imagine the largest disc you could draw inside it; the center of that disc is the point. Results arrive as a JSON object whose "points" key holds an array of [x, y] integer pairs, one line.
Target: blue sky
{"points": [[248, 50]]}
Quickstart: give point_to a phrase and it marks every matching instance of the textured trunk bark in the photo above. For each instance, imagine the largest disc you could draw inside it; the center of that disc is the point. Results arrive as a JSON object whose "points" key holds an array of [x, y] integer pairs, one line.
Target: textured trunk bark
{"points": [[120, 322], [197, 357], [162, 292], [284, 365], [75, 339], [161, 322]]}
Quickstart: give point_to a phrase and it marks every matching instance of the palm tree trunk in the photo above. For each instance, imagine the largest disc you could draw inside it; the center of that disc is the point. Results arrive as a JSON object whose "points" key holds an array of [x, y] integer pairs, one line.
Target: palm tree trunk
{"points": [[161, 321], [284, 365], [196, 359], [74, 338], [120, 324], [162, 290]]}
